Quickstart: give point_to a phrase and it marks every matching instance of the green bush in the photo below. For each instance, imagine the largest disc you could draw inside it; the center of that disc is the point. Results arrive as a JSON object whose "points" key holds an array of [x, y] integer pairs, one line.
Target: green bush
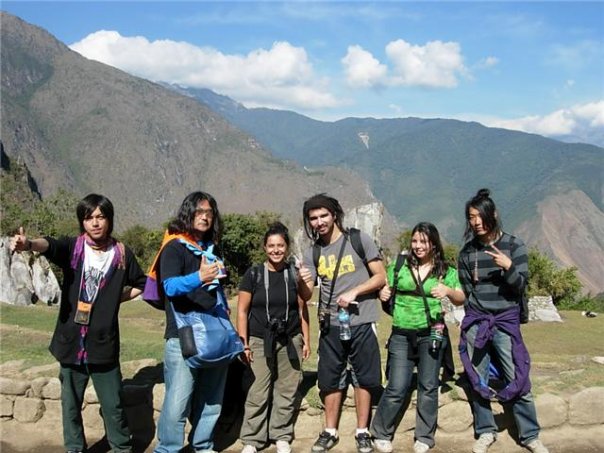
{"points": [[545, 278]]}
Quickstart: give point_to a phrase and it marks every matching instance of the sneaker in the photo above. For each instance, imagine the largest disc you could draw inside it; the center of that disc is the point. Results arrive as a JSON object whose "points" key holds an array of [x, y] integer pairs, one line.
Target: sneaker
{"points": [[249, 449], [283, 446], [325, 442], [537, 447], [364, 444], [420, 447], [483, 443], [383, 445]]}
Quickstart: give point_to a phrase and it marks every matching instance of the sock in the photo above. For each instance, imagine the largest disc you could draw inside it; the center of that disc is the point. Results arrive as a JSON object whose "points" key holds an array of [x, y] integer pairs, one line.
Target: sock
{"points": [[332, 431], [362, 430]]}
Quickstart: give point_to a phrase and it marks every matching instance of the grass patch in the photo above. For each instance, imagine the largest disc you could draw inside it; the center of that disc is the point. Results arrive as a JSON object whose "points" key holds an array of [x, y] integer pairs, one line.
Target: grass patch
{"points": [[561, 352]]}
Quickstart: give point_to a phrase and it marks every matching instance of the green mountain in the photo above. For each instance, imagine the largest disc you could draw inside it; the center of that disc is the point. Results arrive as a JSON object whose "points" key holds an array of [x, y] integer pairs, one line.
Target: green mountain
{"points": [[426, 169]]}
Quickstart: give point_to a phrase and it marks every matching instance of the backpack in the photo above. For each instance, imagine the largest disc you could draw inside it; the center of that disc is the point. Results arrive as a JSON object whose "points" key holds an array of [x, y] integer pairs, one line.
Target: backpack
{"points": [[523, 304], [354, 235]]}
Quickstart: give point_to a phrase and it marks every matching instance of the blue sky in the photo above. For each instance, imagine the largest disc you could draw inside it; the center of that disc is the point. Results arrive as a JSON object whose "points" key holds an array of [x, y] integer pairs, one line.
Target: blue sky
{"points": [[532, 66]]}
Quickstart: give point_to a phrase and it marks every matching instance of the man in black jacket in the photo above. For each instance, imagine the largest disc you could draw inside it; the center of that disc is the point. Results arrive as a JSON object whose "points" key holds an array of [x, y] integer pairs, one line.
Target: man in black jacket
{"points": [[98, 274]]}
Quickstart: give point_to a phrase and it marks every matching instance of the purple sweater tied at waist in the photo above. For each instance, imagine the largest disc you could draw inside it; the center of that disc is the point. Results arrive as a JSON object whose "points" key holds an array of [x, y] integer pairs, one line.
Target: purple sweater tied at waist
{"points": [[507, 321]]}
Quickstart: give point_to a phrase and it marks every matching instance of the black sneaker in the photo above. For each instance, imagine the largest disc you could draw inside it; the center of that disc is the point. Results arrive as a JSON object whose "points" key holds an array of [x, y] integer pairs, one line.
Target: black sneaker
{"points": [[364, 444], [325, 442]]}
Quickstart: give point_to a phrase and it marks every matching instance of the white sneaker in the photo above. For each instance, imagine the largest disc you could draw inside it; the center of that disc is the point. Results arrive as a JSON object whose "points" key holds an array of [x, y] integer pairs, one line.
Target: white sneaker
{"points": [[537, 447], [483, 443], [283, 446], [249, 449], [383, 445], [420, 447]]}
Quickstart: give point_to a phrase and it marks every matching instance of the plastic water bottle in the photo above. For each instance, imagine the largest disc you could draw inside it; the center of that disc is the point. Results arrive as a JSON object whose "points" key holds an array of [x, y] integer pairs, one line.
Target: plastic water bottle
{"points": [[437, 334], [344, 320]]}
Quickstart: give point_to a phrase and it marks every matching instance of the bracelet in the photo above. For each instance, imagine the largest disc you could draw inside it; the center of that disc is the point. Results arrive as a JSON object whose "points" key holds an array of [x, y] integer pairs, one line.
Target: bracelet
{"points": [[246, 348]]}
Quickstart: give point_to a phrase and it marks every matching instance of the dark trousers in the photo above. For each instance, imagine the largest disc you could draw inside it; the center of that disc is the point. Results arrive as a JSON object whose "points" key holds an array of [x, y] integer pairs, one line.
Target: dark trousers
{"points": [[107, 381]]}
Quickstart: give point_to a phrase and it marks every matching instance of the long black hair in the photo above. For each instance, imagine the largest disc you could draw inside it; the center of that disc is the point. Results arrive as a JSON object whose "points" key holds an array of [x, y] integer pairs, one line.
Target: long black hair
{"points": [[183, 222], [487, 210], [88, 205], [439, 265], [319, 201]]}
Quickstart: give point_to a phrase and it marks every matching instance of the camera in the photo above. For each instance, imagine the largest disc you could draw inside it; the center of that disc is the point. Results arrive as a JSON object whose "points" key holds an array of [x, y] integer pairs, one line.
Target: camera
{"points": [[324, 320], [276, 332], [277, 326]]}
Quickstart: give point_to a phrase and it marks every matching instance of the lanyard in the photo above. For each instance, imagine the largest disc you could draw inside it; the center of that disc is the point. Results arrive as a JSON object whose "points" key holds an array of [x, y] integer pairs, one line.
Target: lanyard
{"points": [[286, 279]]}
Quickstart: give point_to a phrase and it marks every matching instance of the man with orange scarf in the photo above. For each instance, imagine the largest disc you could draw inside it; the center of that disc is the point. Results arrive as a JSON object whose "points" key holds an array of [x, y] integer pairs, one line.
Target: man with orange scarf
{"points": [[99, 273]]}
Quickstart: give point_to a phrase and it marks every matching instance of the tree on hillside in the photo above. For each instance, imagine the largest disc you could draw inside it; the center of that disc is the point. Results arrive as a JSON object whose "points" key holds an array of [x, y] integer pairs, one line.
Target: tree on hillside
{"points": [[545, 278], [143, 242], [241, 242]]}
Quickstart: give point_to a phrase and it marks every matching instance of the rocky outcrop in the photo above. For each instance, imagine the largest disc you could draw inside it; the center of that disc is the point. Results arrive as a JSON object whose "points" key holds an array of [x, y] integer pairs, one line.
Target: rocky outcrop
{"points": [[26, 277]]}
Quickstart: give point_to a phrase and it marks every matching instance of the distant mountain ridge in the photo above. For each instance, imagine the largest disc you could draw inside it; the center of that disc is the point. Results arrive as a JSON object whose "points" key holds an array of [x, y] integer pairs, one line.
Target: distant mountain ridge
{"points": [[88, 127], [426, 169]]}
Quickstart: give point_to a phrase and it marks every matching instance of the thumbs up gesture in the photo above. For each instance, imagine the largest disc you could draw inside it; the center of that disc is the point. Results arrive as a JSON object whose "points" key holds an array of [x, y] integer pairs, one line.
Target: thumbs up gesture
{"points": [[19, 242]]}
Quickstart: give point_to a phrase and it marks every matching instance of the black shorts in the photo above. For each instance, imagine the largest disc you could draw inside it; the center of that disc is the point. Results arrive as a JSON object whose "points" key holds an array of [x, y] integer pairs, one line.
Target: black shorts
{"points": [[362, 351]]}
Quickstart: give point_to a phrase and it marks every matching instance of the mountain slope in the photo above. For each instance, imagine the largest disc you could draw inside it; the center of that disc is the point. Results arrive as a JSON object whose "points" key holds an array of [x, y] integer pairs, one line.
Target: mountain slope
{"points": [[88, 127], [426, 169]]}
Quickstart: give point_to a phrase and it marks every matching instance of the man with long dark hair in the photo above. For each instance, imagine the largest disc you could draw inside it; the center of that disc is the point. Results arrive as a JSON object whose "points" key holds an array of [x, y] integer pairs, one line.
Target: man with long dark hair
{"points": [[493, 271], [98, 274], [188, 273], [349, 283]]}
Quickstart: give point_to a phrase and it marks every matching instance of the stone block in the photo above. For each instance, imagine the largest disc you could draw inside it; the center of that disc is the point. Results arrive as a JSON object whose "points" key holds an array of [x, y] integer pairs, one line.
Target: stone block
{"points": [[6, 406], [13, 386], [586, 407], [92, 417], [28, 410], [159, 392], [455, 417], [90, 396], [552, 410], [52, 390], [37, 384]]}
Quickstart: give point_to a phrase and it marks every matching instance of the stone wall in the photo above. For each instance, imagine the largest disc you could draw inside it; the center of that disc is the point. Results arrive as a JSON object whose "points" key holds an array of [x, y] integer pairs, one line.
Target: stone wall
{"points": [[37, 401]]}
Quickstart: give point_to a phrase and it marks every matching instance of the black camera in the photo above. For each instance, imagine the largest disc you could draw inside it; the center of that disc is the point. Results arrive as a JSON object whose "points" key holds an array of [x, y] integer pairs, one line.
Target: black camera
{"points": [[324, 321], [278, 326], [276, 332]]}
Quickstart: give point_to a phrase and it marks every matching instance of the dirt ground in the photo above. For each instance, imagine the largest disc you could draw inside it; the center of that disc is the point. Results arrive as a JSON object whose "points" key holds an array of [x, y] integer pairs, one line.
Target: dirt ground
{"points": [[16, 438]]}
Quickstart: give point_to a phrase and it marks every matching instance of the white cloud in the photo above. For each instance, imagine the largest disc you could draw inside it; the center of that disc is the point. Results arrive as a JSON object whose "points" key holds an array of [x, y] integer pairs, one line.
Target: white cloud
{"points": [[487, 62], [584, 122], [436, 65], [280, 77], [362, 69]]}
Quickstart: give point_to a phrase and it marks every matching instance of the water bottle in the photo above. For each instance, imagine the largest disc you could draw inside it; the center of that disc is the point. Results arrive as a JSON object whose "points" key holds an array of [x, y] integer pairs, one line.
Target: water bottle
{"points": [[344, 320], [437, 333]]}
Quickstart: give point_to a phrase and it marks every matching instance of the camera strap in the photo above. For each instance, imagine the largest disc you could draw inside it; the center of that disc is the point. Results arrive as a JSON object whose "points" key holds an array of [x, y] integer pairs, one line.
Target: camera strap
{"points": [[335, 273], [420, 288], [286, 279]]}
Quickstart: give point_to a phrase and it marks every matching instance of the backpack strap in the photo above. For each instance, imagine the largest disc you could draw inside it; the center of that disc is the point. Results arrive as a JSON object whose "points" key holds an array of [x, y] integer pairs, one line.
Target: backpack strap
{"points": [[357, 244], [388, 306]]}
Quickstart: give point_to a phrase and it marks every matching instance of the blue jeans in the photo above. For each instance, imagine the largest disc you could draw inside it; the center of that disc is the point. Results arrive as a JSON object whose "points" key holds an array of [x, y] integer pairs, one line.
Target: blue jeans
{"points": [[190, 393], [388, 413], [523, 408]]}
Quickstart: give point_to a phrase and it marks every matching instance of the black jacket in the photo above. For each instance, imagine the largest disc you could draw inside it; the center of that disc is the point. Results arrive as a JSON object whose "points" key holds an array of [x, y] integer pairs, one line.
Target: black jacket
{"points": [[103, 337]]}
